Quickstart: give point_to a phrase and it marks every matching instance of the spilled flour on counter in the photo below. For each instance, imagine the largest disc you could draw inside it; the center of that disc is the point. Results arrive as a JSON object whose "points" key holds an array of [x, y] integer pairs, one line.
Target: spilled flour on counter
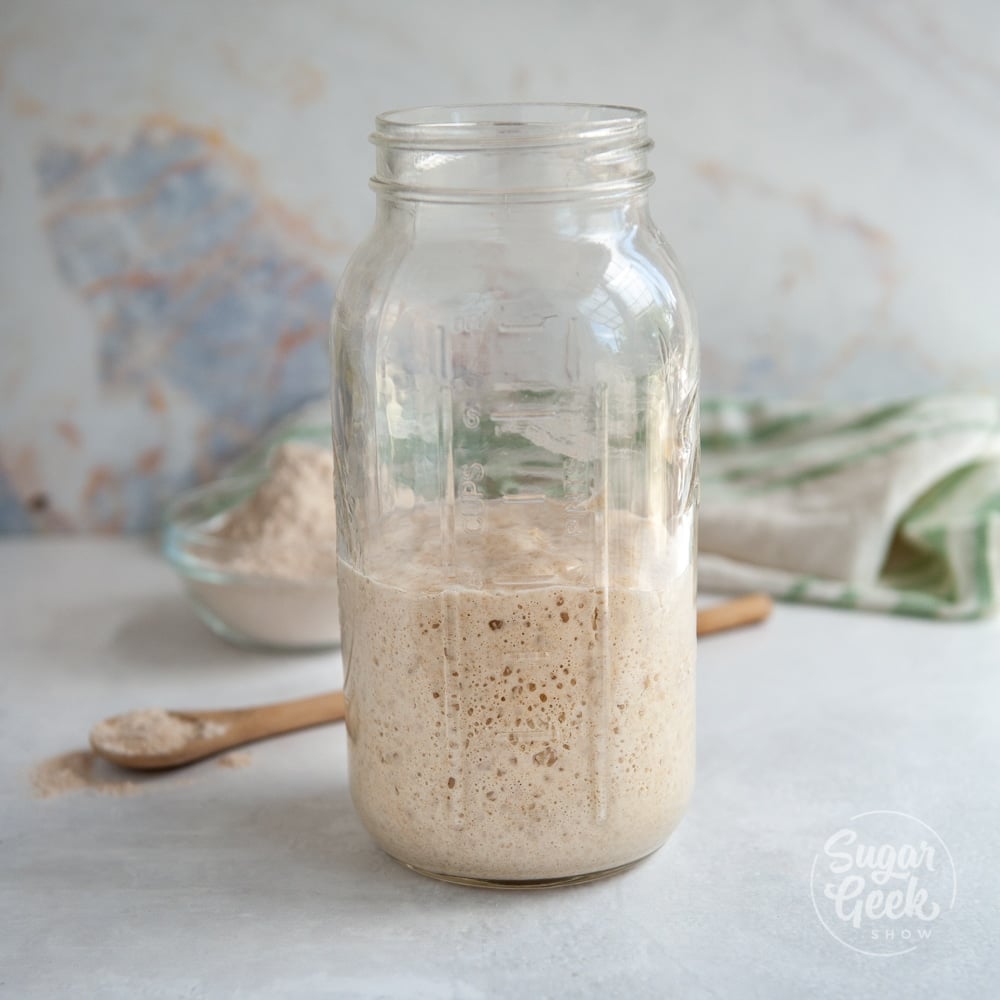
{"points": [[75, 771], [235, 760], [151, 731], [82, 770]]}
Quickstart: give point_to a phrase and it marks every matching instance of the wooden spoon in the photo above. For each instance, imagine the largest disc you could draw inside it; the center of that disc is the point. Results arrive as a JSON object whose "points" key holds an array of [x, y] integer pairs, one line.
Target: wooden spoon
{"points": [[132, 740], [747, 610], [155, 740]]}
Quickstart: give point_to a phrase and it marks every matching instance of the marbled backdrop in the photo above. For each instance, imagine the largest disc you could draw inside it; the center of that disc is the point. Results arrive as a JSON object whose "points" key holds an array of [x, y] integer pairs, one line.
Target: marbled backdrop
{"points": [[181, 183]]}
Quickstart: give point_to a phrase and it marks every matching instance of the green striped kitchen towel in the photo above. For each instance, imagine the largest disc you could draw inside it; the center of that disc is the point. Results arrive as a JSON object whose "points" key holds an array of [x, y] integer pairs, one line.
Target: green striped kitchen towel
{"points": [[891, 508]]}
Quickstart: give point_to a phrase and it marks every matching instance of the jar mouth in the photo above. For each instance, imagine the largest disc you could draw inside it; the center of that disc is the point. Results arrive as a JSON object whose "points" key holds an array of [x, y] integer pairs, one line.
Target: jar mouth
{"points": [[511, 152], [518, 125]]}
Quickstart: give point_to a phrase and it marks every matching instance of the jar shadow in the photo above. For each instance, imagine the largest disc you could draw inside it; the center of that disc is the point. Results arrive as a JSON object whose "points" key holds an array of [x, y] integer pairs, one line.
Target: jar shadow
{"points": [[318, 842]]}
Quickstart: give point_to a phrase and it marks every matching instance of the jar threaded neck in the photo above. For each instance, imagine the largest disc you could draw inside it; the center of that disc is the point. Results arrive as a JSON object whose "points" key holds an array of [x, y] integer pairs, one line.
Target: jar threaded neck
{"points": [[522, 152]]}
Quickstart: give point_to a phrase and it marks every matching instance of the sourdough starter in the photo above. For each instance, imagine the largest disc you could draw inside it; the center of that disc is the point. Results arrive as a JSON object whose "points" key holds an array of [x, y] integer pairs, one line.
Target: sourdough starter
{"points": [[513, 735]]}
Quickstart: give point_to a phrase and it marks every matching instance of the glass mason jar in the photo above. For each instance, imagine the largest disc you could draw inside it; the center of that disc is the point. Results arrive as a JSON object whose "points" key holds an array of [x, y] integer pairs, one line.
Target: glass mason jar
{"points": [[516, 436]]}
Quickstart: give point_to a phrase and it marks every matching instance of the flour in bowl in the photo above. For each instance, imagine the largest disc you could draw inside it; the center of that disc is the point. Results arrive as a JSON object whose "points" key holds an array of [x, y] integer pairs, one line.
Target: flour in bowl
{"points": [[276, 554]]}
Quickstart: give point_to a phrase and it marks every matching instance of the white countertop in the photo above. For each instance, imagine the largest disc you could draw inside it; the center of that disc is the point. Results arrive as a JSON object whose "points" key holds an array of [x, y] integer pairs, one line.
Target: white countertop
{"points": [[260, 881]]}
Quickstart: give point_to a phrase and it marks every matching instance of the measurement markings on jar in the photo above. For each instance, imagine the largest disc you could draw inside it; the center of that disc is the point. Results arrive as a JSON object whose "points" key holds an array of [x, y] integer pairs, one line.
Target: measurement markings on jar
{"points": [[524, 413], [528, 674], [472, 321], [527, 326], [602, 620], [471, 503], [518, 420], [577, 488], [454, 726]]}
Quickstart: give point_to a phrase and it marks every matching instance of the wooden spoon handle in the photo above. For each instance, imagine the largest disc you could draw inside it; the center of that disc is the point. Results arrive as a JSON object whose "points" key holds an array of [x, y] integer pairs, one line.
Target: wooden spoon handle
{"points": [[282, 717], [747, 610]]}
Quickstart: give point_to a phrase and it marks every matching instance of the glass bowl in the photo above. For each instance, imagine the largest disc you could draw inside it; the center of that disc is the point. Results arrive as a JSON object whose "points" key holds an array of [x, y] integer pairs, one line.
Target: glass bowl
{"points": [[247, 608]]}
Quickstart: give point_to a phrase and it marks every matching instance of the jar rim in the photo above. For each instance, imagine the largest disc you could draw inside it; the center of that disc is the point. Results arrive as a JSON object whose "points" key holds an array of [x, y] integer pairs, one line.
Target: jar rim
{"points": [[517, 124]]}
